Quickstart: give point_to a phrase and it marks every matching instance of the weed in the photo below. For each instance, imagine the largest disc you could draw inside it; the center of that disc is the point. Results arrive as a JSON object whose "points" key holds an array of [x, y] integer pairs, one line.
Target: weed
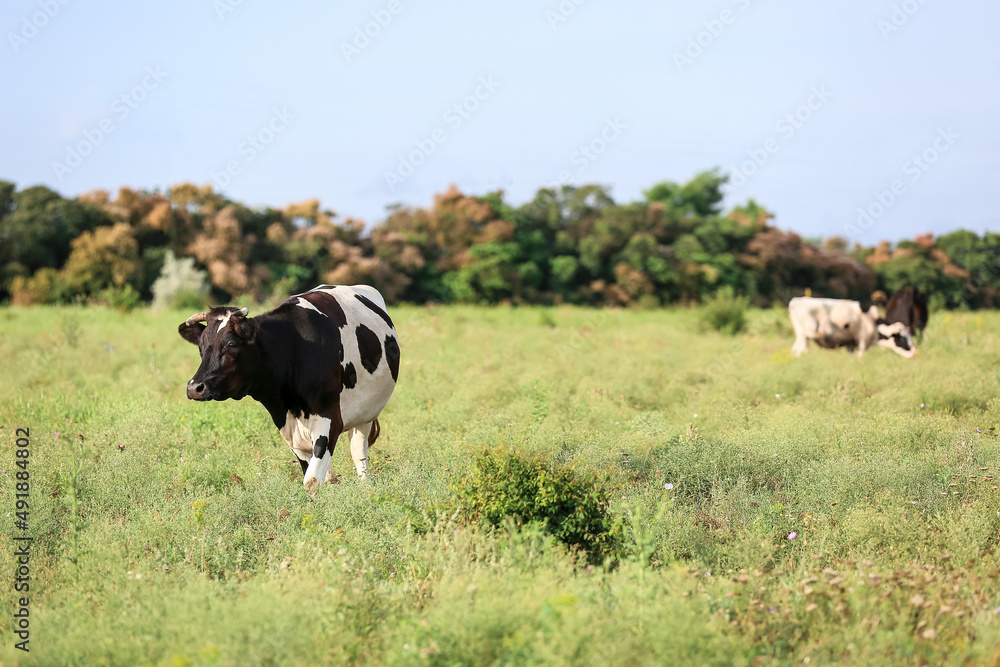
{"points": [[725, 312]]}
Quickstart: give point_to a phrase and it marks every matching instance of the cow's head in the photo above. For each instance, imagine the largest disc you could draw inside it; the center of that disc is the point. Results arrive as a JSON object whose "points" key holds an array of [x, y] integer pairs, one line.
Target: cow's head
{"points": [[230, 360], [896, 337]]}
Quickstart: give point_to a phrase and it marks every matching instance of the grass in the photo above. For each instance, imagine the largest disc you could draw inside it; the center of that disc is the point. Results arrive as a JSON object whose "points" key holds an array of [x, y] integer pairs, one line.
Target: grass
{"points": [[194, 543]]}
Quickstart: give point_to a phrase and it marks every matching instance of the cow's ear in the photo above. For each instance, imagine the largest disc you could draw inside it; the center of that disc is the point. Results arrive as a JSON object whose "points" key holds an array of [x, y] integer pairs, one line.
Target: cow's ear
{"points": [[191, 331], [247, 328]]}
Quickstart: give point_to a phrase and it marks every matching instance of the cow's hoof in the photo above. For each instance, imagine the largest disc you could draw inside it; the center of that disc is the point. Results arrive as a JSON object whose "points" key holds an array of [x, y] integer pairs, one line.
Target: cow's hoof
{"points": [[311, 484]]}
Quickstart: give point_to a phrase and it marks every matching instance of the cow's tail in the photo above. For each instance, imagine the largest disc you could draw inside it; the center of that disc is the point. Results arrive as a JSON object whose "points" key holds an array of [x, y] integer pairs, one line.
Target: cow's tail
{"points": [[373, 436]]}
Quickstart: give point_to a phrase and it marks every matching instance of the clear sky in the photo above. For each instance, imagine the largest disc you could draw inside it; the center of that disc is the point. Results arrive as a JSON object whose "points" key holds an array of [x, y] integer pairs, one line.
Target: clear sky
{"points": [[818, 108]]}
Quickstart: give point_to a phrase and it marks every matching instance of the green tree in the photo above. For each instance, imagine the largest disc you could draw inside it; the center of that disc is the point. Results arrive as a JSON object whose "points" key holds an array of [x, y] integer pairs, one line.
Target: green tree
{"points": [[38, 228]]}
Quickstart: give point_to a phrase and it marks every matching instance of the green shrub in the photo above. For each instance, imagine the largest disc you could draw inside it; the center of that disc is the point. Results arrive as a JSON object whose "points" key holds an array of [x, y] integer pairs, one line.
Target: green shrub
{"points": [[122, 298], [573, 507], [725, 312]]}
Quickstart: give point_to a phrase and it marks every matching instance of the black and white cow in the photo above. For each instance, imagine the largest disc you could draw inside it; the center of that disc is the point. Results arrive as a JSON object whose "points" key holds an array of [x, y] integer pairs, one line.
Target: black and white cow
{"points": [[833, 323], [321, 363]]}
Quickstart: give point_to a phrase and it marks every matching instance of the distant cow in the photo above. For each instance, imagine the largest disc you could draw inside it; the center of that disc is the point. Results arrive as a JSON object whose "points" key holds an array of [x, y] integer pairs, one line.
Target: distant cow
{"points": [[832, 323], [909, 306], [321, 363]]}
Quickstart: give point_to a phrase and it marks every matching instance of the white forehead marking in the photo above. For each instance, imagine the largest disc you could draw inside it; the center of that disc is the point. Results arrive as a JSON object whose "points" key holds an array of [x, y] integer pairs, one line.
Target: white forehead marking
{"points": [[223, 321], [304, 303]]}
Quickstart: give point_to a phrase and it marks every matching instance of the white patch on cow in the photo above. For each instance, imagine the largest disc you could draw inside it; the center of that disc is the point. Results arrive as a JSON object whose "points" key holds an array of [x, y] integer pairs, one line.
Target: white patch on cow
{"points": [[305, 303], [896, 329], [296, 434], [224, 320], [359, 448]]}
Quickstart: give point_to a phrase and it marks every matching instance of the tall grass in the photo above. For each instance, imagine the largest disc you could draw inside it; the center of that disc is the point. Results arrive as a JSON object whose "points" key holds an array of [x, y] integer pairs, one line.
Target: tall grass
{"points": [[771, 509]]}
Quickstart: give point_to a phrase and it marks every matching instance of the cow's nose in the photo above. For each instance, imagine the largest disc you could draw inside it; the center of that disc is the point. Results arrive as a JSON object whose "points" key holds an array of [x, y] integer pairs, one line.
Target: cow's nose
{"points": [[196, 390]]}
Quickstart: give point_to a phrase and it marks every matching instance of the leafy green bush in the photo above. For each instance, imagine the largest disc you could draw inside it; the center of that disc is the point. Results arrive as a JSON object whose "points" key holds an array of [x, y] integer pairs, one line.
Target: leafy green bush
{"points": [[725, 312], [571, 506], [122, 298]]}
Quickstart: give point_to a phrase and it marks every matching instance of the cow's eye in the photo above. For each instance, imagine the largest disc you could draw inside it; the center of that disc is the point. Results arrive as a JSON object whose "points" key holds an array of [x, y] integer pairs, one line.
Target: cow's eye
{"points": [[231, 344]]}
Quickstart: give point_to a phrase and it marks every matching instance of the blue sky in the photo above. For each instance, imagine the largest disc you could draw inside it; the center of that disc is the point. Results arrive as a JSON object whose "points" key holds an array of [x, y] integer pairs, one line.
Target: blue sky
{"points": [[822, 107]]}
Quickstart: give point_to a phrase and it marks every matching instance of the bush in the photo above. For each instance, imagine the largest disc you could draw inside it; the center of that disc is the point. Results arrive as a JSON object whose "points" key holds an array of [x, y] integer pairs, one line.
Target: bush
{"points": [[570, 506], [180, 285], [46, 286], [725, 312], [124, 299]]}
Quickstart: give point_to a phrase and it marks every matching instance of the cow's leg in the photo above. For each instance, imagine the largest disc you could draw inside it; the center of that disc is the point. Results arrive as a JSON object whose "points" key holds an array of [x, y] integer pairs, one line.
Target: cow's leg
{"points": [[801, 340], [359, 436], [801, 346], [324, 432]]}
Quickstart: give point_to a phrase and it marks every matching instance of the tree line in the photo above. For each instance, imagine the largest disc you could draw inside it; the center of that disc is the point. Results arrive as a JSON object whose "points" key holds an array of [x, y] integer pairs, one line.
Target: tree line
{"points": [[568, 245]]}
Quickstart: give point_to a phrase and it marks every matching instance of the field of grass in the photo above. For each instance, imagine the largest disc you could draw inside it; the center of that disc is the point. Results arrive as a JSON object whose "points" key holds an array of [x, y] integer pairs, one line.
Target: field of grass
{"points": [[772, 510]]}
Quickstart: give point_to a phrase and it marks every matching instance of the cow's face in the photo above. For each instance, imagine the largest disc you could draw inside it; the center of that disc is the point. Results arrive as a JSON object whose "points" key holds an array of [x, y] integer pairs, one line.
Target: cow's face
{"points": [[230, 360], [896, 337]]}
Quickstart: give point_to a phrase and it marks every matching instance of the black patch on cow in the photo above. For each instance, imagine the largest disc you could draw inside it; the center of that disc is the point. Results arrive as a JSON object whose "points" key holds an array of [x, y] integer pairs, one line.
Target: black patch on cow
{"points": [[882, 336], [375, 309], [392, 355], [304, 464], [349, 376], [329, 306], [369, 347], [319, 447], [900, 341]]}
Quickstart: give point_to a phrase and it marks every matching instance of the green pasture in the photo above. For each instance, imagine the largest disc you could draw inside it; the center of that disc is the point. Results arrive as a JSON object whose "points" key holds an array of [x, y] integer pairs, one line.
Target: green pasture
{"points": [[171, 533]]}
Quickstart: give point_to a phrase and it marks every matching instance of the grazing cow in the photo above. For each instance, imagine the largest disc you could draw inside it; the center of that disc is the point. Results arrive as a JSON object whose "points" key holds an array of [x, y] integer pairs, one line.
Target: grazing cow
{"points": [[321, 363], [834, 323], [909, 306]]}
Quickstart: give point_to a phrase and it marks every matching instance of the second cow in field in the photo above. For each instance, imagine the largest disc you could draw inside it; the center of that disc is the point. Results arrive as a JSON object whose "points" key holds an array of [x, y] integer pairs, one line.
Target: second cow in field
{"points": [[832, 323], [909, 306], [321, 363]]}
